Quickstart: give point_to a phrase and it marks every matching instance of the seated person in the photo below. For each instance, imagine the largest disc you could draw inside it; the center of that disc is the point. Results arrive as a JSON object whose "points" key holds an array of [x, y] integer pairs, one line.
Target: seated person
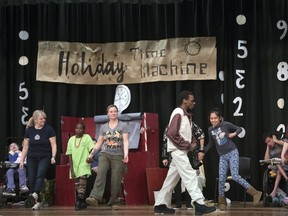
{"points": [[14, 157], [273, 150]]}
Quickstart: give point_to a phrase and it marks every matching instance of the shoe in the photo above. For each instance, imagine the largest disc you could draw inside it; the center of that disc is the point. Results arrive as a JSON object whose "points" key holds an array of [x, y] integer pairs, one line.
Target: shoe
{"points": [[37, 206], [189, 207], [162, 209], [78, 205], [115, 206], [203, 209], [24, 189], [32, 199], [83, 204], [177, 207], [92, 201], [9, 192]]}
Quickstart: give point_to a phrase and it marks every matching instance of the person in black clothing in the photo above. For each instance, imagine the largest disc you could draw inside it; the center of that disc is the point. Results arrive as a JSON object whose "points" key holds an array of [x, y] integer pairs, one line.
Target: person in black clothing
{"points": [[39, 145]]}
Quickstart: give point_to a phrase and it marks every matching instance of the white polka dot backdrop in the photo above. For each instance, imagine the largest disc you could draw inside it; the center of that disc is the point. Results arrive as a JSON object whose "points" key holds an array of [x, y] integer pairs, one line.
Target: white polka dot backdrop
{"points": [[241, 19], [227, 186], [242, 134], [23, 60], [221, 75], [23, 35], [281, 103]]}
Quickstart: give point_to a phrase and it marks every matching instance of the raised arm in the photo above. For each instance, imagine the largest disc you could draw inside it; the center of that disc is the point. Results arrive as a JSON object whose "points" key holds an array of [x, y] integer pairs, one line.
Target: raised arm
{"points": [[267, 153]]}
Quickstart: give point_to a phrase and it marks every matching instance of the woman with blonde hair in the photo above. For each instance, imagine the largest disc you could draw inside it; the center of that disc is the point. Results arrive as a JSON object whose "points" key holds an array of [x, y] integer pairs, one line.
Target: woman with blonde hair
{"points": [[39, 145]]}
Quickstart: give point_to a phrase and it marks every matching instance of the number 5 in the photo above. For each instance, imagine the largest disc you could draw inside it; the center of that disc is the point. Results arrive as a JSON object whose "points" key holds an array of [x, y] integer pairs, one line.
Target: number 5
{"points": [[24, 90], [242, 47]]}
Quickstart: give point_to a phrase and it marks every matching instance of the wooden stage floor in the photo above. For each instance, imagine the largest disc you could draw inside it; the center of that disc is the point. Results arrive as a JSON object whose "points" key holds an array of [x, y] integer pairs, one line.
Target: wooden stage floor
{"points": [[234, 209]]}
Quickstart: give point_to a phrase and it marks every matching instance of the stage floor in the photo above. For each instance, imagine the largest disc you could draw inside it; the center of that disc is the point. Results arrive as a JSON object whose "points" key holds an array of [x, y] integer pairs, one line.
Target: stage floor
{"points": [[234, 209]]}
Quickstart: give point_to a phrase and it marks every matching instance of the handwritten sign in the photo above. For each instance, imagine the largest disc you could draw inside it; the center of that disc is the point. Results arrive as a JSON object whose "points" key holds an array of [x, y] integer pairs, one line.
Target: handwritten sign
{"points": [[127, 62]]}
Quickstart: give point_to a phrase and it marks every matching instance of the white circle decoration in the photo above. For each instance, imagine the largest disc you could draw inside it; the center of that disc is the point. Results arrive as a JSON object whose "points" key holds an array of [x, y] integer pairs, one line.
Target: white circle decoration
{"points": [[222, 98], [23, 35], [281, 103], [221, 75], [242, 134], [227, 186], [23, 60], [241, 19]]}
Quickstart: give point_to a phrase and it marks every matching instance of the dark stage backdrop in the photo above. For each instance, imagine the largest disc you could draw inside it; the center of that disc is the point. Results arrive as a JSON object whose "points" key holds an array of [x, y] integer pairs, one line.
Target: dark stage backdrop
{"points": [[251, 86]]}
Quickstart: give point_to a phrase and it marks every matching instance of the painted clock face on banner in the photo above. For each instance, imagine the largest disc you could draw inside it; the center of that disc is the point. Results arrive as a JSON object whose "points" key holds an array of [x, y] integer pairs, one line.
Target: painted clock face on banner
{"points": [[122, 97]]}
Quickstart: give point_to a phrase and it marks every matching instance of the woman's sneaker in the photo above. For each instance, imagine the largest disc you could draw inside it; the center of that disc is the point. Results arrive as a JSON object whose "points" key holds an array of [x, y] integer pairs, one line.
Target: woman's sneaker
{"points": [[37, 206], [92, 201], [32, 199], [115, 206]]}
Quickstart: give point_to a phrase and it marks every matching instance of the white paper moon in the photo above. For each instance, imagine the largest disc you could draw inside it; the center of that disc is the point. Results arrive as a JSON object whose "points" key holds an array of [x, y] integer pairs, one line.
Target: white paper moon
{"points": [[227, 186], [281, 103], [23, 35], [242, 134], [23, 60], [241, 19], [222, 98], [221, 75]]}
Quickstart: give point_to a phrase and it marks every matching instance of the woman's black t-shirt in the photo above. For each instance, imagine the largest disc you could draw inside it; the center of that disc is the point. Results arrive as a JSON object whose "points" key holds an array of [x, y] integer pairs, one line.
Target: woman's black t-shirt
{"points": [[39, 144]]}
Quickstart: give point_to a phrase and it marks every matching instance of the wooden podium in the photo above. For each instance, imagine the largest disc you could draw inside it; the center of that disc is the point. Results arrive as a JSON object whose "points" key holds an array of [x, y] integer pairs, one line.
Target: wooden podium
{"points": [[146, 156]]}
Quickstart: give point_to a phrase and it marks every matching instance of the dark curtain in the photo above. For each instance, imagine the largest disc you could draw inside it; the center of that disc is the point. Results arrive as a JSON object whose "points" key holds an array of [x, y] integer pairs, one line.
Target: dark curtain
{"points": [[250, 102]]}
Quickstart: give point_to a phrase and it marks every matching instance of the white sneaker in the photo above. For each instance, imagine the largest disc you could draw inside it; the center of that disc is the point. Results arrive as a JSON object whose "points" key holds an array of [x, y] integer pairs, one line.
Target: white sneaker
{"points": [[24, 189], [32, 199], [35, 195], [37, 206]]}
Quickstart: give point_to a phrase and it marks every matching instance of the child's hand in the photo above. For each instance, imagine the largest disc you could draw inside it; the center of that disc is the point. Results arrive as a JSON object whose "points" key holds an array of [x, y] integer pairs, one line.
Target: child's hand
{"points": [[73, 174], [89, 160]]}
